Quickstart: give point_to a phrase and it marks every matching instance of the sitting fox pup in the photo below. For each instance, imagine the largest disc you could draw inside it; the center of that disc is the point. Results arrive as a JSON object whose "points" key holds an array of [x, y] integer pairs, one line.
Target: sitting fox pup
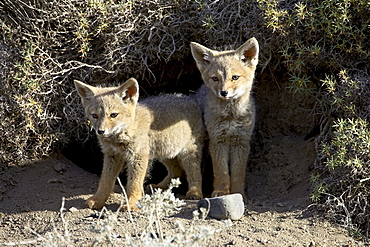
{"points": [[229, 111], [168, 128]]}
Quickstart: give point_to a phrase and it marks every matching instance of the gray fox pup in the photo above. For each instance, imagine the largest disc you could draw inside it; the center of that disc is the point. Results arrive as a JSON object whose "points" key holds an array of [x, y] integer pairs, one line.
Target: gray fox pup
{"points": [[229, 110], [131, 133]]}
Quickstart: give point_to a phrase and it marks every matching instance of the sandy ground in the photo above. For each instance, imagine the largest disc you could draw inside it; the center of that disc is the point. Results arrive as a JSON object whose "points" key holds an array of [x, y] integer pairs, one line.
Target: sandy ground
{"points": [[31, 198], [279, 212]]}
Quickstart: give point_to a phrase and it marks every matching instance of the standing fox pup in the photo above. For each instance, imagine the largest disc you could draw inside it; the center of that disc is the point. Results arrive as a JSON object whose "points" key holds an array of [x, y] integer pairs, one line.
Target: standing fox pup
{"points": [[168, 128], [229, 111]]}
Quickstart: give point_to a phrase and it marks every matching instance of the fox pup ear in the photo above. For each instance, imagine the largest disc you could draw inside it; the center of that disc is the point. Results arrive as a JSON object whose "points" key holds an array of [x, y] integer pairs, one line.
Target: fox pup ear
{"points": [[201, 54], [129, 91], [248, 52], [85, 91]]}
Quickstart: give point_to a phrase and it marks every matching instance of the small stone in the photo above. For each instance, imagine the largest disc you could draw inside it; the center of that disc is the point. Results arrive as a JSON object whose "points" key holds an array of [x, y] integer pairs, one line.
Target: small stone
{"points": [[73, 209], [54, 181], [280, 204], [224, 207], [60, 167]]}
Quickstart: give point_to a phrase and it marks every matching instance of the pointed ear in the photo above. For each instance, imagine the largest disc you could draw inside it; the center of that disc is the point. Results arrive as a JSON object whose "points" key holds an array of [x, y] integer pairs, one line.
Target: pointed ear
{"points": [[248, 52], [129, 91], [201, 54], [85, 91]]}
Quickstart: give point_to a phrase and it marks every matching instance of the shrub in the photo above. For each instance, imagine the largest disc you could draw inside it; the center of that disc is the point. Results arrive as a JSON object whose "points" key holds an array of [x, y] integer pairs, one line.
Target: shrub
{"points": [[318, 38], [344, 153], [44, 45], [323, 46]]}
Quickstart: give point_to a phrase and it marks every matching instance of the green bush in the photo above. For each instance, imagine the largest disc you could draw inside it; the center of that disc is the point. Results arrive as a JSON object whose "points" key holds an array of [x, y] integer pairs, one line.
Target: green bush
{"points": [[318, 38], [344, 158], [324, 47]]}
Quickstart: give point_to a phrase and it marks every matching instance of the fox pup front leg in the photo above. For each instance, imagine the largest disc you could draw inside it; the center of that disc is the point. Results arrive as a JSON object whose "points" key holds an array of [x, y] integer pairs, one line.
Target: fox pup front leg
{"points": [[111, 169], [191, 163], [136, 172], [238, 166], [221, 179]]}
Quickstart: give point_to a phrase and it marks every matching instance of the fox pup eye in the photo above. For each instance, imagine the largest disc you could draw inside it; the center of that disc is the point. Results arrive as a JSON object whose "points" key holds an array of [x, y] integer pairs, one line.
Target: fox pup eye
{"points": [[94, 116], [214, 78], [113, 115], [235, 77]]}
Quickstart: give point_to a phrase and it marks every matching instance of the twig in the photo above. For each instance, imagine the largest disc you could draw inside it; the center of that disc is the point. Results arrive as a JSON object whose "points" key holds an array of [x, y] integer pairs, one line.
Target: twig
{"points": [[127, 202]]}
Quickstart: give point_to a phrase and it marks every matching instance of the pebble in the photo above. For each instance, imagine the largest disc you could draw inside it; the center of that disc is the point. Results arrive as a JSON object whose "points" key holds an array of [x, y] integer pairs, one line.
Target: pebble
{"points": [[72, 209], [54, 181], [224, 207], [60, 167]]}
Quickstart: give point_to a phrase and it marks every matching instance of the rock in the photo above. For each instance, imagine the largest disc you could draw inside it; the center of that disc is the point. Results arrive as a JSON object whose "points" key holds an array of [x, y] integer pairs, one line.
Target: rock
{"points": [[224, 207], [73, 209], [60, 167], [54, 181]]}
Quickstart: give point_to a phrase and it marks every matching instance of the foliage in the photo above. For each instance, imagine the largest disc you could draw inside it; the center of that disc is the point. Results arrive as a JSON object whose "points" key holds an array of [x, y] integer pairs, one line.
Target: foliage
{"points": [[344, 153], [324, 48], [319, 37], [163, 203]]}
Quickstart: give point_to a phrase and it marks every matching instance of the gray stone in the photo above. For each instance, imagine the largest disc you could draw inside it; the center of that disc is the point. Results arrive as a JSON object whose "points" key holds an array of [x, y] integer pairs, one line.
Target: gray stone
{"points": [[224, 207], [60, 167]]}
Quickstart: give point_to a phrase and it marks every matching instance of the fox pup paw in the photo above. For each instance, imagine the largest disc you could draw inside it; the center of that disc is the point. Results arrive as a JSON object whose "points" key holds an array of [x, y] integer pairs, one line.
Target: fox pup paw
{"points": [[94, 204], [194, 195], [132, 208]]}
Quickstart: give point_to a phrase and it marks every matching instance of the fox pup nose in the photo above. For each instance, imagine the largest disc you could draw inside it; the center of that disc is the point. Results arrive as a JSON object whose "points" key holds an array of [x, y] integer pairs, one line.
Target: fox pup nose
{"points": [[224, 93], [100, 132]]}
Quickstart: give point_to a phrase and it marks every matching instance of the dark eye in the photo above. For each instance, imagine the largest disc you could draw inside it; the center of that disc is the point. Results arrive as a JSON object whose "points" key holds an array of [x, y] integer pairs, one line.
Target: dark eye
{"points": [[214, 78], [113, 115], [94, 116], [235, 77]]}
